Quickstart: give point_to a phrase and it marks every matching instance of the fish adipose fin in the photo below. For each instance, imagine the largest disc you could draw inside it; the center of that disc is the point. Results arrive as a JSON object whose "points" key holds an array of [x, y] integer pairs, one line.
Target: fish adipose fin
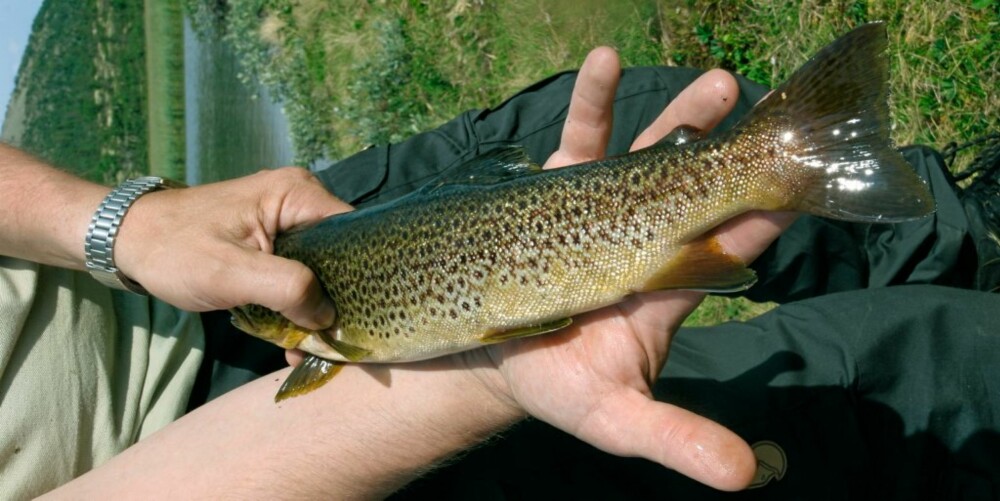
{"points": [[312, 373], [531, 330], [496, 166], [683, 134], [833, 116], [702, 265]]}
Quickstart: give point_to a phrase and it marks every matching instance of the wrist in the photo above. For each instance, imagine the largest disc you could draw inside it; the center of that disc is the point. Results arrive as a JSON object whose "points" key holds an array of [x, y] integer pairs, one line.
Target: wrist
{"points": [[104, 228], [490, 381]]}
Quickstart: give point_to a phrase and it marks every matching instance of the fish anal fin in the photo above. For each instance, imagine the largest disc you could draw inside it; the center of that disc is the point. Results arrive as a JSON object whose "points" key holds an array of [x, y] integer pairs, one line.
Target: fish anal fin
{"points": [[531, 330], [312, 373], [702, 265]]}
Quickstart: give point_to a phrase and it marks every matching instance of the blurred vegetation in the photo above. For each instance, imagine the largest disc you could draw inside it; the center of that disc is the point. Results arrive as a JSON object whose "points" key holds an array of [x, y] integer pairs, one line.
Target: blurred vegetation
{"points": [[164, 25], [357, 72], [82, 83]]}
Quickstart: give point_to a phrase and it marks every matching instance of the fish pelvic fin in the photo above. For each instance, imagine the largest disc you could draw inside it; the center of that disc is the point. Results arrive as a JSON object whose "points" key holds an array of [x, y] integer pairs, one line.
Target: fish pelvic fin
{"points": [[831, 119], [702, 265], [531, 330], [312, 373]]}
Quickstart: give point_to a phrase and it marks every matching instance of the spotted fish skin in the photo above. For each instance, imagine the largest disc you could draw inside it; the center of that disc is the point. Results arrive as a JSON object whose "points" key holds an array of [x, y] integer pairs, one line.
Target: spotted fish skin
{"points": [[498, 245], [436, 272]]}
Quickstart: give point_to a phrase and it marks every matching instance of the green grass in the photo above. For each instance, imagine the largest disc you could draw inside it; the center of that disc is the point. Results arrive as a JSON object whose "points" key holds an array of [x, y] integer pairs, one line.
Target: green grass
{"points": [[164, 29], [81, 94], [81, 87], [358, 72], [945, 54]]}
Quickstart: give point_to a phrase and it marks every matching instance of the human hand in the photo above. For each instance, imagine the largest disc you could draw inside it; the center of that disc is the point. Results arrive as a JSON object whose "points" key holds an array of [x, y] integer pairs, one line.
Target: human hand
{"points": [[210, 247], [594, 379]]}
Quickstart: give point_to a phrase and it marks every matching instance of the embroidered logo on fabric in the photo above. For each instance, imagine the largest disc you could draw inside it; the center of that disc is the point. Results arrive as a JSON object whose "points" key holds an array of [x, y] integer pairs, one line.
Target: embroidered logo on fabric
{"points": [[771, 463]]}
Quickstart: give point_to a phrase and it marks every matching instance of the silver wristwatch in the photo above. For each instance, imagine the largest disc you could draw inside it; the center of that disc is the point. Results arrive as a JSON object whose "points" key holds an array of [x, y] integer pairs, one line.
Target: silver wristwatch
{"points": [[99, 245]]}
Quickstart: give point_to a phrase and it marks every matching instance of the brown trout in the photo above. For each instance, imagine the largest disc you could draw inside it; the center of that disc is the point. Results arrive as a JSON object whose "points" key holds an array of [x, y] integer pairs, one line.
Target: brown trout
{"points": [[498, 249]]}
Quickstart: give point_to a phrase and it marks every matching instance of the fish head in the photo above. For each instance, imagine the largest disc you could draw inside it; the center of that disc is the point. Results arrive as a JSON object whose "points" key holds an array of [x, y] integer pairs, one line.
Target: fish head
{"points": [[272, 327], [268, 325]]}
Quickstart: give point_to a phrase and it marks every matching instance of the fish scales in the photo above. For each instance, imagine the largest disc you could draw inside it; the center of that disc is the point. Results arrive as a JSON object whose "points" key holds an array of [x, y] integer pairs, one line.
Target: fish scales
{"points": [[425, 277], [497, 249]]}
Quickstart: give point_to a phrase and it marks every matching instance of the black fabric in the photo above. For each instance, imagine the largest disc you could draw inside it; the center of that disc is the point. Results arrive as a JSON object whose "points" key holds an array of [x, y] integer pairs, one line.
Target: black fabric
{"points": [[887, 393], [819, 256], [532, 118], [877, 376]]}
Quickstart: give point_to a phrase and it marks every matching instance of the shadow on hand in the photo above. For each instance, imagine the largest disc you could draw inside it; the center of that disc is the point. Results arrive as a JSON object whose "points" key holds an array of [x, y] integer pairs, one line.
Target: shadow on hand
{"points": [[836, 444]]}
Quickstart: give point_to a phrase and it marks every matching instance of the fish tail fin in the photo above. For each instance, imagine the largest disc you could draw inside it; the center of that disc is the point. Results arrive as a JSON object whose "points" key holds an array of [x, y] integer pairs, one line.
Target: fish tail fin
{"points": [[832, 119]]}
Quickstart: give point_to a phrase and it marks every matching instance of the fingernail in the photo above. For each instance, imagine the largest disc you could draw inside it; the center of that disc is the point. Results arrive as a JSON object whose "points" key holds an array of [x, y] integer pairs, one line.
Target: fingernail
{"points": [[326, 314]]}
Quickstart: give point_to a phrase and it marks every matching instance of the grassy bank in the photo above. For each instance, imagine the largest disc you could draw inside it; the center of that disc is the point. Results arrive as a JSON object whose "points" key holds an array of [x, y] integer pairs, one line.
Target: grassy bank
{"points": [[945, 55], [81, 88], [354, 73], [164, 28], [81, 98], [359, 72]]}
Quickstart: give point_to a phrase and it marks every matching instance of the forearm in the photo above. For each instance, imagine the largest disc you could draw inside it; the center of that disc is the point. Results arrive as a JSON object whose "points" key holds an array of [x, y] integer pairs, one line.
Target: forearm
{"points": [[364, 435], [44, 212]]}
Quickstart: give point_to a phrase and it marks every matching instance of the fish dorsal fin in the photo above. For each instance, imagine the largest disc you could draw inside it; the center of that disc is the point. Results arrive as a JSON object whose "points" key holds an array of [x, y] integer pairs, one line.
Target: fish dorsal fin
{"points": [[683, 134], [702, 265], [312, 373], [531, 330], [492, 167]]}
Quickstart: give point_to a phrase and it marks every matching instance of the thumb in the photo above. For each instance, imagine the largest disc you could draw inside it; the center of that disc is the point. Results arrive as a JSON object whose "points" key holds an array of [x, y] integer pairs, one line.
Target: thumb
{"points": [[629, 423]]}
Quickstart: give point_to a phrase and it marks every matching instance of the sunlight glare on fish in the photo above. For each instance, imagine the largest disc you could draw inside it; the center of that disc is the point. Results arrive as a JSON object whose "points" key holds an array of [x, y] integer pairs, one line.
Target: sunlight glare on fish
{"points": [[855, 185]]}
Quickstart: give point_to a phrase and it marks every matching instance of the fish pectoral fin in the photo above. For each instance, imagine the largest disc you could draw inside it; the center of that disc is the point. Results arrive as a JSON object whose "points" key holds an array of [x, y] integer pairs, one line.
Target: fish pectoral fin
{"points": [[531, 330], [702, 265], [349, 351], [312, 373]]}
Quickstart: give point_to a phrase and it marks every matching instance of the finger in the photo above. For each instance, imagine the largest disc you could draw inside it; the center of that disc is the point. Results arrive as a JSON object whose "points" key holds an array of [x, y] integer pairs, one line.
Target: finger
{"points": [[294, 357], [283, 285], [703, 104], [589, 119], [629, 423], [749, 235]]}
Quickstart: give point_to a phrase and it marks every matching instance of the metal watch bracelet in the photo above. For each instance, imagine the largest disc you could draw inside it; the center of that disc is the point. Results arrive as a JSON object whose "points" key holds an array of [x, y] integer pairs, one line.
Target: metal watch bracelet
{"points": [[99, 245]]}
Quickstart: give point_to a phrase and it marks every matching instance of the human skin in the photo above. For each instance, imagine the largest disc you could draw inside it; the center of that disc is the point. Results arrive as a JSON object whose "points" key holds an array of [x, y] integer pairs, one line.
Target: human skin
{"points": [[191, 247], [373, 429]]}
